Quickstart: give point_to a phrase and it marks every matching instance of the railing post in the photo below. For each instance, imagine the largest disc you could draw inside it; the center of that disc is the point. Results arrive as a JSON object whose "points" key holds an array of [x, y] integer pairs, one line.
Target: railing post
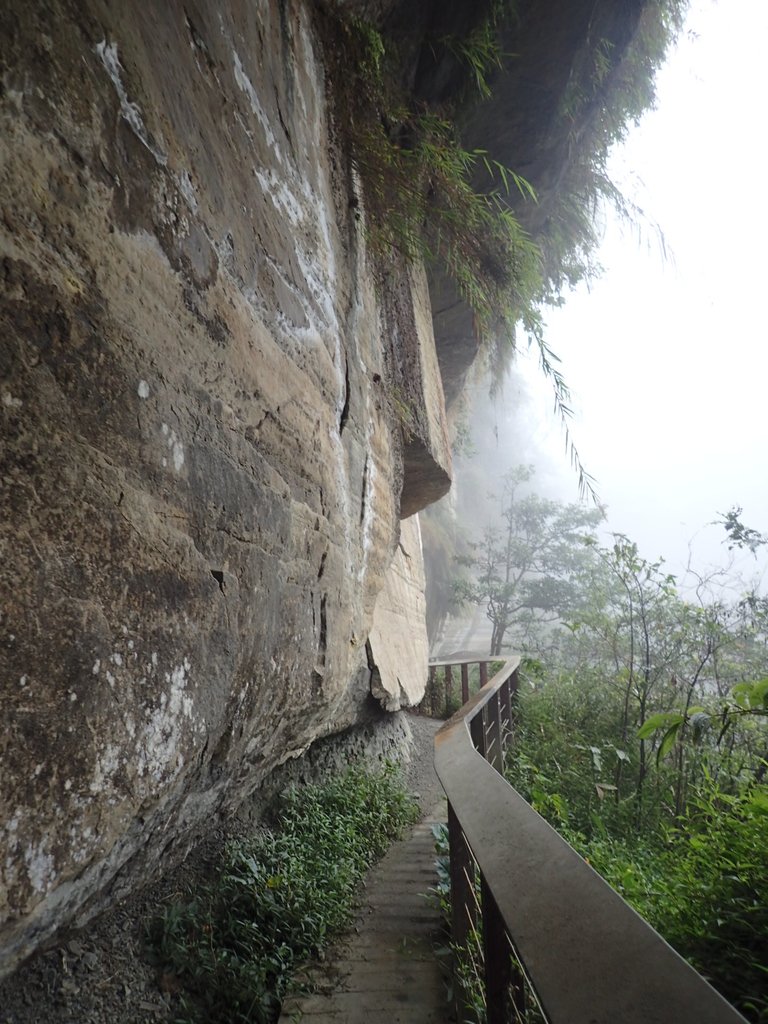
{"points": [[431, 688], [498, 962], [464, 683], [477, 732], [514, 686], [504, 982], [483, 673], [448, 687], [463, 907]]}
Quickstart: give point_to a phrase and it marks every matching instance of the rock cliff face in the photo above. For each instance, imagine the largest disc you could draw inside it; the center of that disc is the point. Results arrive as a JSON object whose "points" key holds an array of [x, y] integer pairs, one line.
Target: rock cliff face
{"points": [[397, 645], [201, 464]]}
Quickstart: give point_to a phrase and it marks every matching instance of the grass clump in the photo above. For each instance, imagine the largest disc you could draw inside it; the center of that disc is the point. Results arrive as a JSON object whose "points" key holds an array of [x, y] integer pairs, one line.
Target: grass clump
{"points": [[278, 897]]}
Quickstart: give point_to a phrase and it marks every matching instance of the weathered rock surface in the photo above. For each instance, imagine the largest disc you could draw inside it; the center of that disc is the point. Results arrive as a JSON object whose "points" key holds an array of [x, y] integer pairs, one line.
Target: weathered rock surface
{"points": [[427, 454], [397, 644], [201, 464]]}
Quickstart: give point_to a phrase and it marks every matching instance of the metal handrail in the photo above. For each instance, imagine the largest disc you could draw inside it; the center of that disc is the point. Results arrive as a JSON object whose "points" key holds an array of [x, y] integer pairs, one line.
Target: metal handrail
{"points": [[588, 956]]}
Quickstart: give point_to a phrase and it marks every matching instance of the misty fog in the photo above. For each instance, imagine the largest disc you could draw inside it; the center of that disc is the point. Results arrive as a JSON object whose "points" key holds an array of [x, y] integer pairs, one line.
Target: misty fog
{"points": [[665, 353]]}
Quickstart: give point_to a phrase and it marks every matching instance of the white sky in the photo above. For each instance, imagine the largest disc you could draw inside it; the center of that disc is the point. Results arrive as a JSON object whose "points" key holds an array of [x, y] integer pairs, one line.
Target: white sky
{"points": [[668, 362]]}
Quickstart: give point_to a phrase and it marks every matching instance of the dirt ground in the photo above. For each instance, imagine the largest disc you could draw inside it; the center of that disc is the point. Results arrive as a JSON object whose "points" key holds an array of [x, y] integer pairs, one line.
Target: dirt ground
{"points": [[102, 975]]}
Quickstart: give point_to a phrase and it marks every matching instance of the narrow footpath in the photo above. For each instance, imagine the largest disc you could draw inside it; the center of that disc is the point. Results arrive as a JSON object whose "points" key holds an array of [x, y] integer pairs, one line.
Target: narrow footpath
{"points": [[385, 970]]}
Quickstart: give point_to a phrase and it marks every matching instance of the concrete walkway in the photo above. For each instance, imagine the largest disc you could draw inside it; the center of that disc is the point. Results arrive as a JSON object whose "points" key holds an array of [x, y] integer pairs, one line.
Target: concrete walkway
{"points": [[385, 970]]}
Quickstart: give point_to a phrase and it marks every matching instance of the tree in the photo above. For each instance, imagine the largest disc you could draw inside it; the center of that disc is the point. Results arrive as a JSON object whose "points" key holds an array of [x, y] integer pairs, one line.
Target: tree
{"points": [[686, 664], [629, 629], [529, 568]]}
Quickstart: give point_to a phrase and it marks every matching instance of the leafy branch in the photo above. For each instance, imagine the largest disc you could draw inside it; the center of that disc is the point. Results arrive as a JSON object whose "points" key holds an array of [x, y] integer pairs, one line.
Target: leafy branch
{"points": [[548, 361], [739, 535], [745, 699]]}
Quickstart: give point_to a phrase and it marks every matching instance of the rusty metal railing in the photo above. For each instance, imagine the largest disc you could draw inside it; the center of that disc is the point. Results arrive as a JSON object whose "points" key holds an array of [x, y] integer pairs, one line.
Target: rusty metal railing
{"points": [[544, 916]]}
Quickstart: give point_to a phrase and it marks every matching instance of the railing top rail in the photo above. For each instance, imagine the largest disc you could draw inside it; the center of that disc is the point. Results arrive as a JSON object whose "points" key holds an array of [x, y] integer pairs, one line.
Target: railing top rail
{"points": [[468, 711], [590, 957], [473, 659]]}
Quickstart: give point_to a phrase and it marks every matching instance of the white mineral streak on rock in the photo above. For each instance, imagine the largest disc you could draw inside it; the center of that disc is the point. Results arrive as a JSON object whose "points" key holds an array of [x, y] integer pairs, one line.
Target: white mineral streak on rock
{"points": [[143, 389], [369, 499], [187, 189], [40, 867], [107, 53], [283, 198], [307, 202], [246, 85], [160, 737], [175, 446], [107, 764], [178, 454]]}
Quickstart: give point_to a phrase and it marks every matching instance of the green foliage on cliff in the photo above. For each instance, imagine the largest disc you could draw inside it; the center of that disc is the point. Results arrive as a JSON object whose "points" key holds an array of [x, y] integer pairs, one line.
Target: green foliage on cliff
{"points": [[279, 897], [609, 90], [427, 196], [418, 191]]}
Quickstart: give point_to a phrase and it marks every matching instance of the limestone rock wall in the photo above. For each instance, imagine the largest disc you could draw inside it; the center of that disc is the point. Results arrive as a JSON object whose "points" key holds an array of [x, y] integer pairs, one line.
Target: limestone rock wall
{"points": [[200, 462]]}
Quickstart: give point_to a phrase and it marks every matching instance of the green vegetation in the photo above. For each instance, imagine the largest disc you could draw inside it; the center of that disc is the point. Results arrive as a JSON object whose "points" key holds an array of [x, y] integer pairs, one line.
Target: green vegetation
{"points": [[419, 198], [700, 876], [643, 738], [702, 883], [427, 196], [277, 898]]}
